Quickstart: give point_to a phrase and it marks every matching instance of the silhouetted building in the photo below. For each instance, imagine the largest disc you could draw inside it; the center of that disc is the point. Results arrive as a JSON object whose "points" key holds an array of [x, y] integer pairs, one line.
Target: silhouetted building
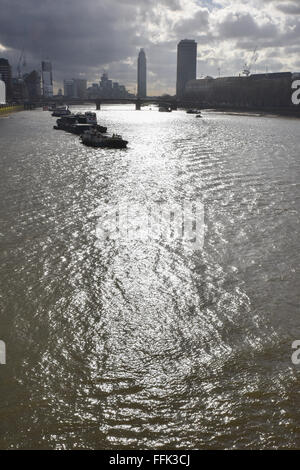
{"points": [[80, 87], [47, 78], [19, 92], [2, 91], [266, 90], [75, 88], [106, 85], [186, 64], [93, 91], [32, 82], [69, 88], [5, 72], [142, 75], [107, 89]]}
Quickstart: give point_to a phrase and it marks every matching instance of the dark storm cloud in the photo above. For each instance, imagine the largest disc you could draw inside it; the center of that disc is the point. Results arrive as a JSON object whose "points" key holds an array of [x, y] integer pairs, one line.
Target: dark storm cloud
{"points": [[81, 38], [72, 31]]}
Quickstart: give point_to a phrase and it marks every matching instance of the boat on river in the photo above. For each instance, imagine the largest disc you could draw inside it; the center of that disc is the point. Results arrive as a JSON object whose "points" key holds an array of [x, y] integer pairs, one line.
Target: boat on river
{"points": [[164, 109], [79, 123], [61, 111], [193, 111], [94, 138], [87, 118]]}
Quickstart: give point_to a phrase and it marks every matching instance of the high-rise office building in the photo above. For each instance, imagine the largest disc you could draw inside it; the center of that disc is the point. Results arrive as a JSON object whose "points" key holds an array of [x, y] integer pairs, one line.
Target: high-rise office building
{"points": [[80, 87], [47, 78], [104, 81], [19, 90], [75, 88], [186, 64], [2, 91], [69, 88], [142, 75], [5, 72], [107, 89], [106, 84], [33, 85]]}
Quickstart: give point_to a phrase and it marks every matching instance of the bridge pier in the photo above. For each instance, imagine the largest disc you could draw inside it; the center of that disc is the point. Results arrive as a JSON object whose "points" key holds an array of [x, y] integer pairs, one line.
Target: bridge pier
{"points": [[137, 105], [98, 105]]}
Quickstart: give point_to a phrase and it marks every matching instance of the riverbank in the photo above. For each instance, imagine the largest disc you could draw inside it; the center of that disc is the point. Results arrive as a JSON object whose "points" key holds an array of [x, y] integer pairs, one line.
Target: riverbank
{"points": [[7, 109], [262, 112]]}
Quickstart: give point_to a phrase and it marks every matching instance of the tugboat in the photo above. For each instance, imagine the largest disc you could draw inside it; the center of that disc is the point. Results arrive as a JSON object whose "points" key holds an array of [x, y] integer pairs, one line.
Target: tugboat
{"points": [[87, 118], [193, 111], [164, 109], [62, 111], [79, 123], [94, 138]]}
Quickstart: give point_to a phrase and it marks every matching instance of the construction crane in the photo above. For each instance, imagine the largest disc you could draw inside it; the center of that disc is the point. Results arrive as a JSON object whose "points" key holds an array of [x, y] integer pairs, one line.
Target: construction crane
{"points": [[21, 64], [247, 67]]}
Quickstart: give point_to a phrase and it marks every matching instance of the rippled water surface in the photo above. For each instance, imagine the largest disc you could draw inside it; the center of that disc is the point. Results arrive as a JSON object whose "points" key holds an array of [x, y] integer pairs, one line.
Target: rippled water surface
{"points": [[150, 343]]}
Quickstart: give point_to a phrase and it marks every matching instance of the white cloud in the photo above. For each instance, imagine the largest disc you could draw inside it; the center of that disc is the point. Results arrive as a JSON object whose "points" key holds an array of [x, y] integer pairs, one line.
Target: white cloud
{"points": [[83, 38]]}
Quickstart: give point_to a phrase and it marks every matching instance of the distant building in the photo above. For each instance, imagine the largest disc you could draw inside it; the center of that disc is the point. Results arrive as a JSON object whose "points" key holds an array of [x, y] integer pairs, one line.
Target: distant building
{"points": [[47, 79], [258, 91], [2, 91], [107, 89], [60, 92], [32, 82], [80, 85], [105, 84], [19, 92], [186, 64], [75, 88], [5, 72], [69, 88], [142, 75], [93, 91]]}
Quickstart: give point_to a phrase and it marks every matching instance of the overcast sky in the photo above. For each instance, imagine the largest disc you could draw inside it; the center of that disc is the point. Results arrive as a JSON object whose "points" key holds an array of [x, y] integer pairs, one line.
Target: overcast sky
{"points": [[84, 37]]}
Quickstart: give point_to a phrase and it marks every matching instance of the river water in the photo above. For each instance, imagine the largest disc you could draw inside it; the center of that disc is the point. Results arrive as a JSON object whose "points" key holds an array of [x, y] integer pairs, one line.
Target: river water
{"points": [[150, 343]]}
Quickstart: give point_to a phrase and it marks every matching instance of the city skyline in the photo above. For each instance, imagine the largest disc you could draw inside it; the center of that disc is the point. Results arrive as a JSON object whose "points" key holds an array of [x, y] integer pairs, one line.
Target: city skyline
{"points": [[79, 42], [46, 74]]}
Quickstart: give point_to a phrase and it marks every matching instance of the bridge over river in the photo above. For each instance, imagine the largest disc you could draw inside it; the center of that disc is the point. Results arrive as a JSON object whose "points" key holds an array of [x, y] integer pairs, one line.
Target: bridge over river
{"points": [[139, 102]]}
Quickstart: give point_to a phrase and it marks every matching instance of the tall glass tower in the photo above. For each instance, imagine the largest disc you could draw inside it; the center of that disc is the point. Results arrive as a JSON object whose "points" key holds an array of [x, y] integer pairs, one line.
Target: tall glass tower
{"points": [[186, 64], [142, 75], [47, 78], [5, 76]]}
